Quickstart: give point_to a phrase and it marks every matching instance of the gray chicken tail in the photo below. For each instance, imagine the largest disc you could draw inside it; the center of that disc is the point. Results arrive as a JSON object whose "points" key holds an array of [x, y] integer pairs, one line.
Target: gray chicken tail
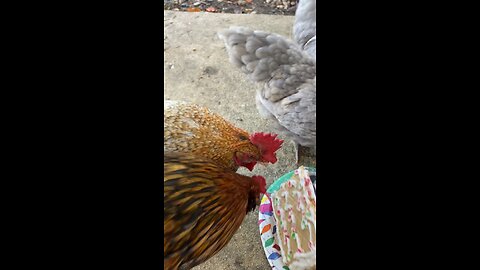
{"points": [[263, 55]]}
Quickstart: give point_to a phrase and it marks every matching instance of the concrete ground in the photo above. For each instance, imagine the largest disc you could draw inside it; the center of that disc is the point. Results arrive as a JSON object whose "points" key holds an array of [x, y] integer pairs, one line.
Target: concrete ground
{"points": [[197, 70]]}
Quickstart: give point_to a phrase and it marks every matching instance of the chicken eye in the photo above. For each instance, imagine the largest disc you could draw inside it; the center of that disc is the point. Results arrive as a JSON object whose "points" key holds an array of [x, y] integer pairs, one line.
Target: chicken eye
{"points": [[243, 138]]}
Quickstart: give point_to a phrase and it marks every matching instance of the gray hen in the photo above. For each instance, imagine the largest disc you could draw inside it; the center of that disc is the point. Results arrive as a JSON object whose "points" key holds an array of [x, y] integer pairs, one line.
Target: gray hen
{"points": [[305, 27], [289, 77]]}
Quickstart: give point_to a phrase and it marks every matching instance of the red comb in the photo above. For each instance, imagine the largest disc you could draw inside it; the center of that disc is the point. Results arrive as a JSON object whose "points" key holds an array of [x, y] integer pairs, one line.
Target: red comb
{"points": [[268, 145], [261, 182]]}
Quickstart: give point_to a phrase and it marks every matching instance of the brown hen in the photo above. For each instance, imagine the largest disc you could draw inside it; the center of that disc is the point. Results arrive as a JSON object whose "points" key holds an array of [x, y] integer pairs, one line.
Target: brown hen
{"points": [[204, 205], [189, 128]]}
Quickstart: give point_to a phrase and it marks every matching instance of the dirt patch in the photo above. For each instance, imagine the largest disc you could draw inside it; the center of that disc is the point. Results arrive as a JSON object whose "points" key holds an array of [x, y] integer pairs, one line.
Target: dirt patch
{"points": [[271, 7]]}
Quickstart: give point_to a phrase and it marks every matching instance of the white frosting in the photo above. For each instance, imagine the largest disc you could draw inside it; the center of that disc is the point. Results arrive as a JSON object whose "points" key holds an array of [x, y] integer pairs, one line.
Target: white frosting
{"points": [[304, 261]]}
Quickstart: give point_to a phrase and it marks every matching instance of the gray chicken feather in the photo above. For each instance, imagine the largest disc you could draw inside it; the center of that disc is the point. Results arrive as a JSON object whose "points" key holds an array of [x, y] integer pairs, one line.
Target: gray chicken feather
{"points": [[305, 26], [289, 77]]}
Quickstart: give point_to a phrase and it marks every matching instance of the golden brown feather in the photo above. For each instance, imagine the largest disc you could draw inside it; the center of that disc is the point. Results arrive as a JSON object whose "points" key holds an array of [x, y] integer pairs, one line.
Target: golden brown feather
{"points": [[204, 205], [189, 128]]}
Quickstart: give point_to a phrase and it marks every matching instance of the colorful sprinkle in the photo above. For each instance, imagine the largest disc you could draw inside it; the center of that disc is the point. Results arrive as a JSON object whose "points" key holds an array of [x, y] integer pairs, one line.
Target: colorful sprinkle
{"points": [[277, 247], [260, 221], [303, 224], [274, 229]]}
